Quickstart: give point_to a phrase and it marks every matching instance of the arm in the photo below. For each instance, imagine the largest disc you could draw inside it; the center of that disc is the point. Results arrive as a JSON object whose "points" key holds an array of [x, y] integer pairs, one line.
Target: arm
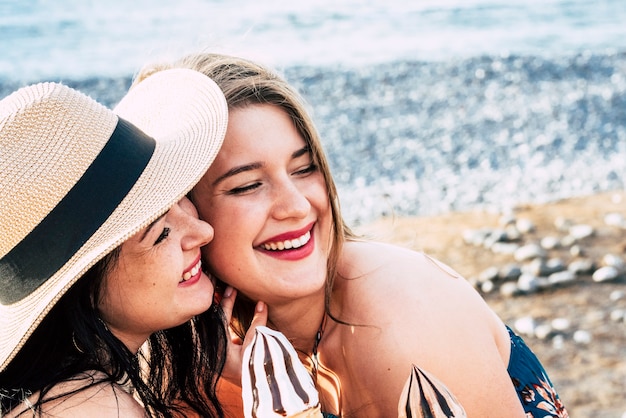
{"points": [[424, 314]]}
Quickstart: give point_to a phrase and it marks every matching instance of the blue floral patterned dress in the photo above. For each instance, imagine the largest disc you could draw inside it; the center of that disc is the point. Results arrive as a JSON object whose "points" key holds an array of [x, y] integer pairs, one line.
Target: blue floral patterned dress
{"points": [[533, 386]]}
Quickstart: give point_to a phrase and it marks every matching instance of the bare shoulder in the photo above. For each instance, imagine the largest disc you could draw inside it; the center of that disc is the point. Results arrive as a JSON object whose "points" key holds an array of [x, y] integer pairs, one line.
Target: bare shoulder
{"points": [[378, 266], [107, 399], [373, 255], [104, 399], [396, 289]]}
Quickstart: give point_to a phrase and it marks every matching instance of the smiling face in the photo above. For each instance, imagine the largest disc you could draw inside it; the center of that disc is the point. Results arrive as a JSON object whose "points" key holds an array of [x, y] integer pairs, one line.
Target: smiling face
{"points": [[268, 203], [157, 281]]}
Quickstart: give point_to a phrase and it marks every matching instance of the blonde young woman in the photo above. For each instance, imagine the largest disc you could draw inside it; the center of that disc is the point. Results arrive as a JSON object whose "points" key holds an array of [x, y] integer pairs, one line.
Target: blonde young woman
{"points": [[100, 252], [361, 313]]}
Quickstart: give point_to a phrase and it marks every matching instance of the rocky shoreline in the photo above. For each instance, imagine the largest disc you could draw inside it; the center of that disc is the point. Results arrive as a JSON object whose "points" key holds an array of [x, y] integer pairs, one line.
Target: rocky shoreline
{"points": [[573, 318]]}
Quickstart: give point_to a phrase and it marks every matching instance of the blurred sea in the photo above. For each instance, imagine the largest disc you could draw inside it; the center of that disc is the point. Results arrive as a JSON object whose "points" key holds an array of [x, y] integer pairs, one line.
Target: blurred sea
{"points": [[41, 39], [425, 105]]}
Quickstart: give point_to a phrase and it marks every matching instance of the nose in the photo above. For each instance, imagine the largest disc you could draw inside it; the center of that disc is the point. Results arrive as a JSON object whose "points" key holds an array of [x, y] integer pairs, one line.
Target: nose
{"points": [[289, 201], [197, 232]]}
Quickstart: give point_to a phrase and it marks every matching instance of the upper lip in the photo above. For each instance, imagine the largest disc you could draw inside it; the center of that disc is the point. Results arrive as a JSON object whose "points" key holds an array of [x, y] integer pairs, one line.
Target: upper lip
{"points": [[192, 265], [289, 235]]}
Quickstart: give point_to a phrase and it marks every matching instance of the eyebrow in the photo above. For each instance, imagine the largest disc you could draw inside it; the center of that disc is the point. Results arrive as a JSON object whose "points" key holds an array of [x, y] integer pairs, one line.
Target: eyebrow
{"points": [[304, 150], [149, 228], [256, 165], [236, 170]]}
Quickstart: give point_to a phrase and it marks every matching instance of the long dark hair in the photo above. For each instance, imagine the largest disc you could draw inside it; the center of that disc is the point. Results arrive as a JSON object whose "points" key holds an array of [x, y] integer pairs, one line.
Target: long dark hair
{"points": [[176, 370]]}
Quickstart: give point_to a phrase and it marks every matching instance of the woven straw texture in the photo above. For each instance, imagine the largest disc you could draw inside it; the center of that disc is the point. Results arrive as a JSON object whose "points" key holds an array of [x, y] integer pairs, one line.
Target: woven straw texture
{"points": [[49, 134]]}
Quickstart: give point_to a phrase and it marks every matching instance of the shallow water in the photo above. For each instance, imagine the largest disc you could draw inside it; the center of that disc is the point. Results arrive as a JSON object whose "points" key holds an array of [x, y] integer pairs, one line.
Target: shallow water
{"points": [[87, 38]]}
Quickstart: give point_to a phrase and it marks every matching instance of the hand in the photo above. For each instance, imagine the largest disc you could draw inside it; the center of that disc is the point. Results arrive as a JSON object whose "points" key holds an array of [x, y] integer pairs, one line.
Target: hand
{"points": [[236, 347]]}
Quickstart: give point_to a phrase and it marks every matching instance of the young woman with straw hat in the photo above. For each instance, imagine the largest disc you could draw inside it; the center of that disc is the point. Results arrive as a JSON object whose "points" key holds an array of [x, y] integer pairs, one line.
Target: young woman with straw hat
{"points": [[360, 312], [100, 251]]}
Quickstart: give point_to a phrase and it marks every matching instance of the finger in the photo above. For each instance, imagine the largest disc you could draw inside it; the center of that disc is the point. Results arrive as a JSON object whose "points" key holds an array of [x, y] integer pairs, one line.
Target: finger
{"points": [[233, 364], [260, 315], [232, 368], [228, 302], [259, 319]]}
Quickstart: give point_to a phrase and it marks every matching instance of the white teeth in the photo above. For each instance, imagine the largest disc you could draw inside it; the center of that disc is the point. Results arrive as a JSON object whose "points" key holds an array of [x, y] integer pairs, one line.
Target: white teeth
{"points": [[288, 244], [191, 273]]}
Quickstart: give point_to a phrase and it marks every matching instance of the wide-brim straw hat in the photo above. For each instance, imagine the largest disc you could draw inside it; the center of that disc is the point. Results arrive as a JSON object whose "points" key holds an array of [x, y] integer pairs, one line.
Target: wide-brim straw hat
{"points": [[76, 181]]}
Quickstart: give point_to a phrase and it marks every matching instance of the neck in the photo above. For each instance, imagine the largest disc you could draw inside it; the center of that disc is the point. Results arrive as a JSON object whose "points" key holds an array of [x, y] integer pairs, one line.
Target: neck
{"points": [[300, 323]]}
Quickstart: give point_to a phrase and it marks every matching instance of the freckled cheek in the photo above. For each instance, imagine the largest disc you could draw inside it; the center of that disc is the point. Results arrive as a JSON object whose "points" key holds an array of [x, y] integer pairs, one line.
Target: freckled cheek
{"points": [[145, 289]]}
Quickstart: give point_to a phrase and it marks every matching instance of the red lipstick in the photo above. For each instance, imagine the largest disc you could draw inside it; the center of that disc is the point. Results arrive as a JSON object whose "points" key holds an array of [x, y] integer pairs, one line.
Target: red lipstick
{"points": [[290, 235], [191, 274], [279, 246]]}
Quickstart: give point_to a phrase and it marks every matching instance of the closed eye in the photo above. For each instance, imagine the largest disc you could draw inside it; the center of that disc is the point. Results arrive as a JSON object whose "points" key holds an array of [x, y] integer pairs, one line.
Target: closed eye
{"points": [[244, 189], [311, 168], [164, 234]]}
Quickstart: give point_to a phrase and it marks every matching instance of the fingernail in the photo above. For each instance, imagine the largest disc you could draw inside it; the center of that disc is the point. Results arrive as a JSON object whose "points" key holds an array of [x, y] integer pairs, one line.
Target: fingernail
{"points": [[228, 291], [260, 306]]}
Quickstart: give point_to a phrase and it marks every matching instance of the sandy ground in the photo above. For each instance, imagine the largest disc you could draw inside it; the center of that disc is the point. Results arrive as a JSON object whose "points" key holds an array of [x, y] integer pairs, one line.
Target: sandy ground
{"points": [[591, 377]]}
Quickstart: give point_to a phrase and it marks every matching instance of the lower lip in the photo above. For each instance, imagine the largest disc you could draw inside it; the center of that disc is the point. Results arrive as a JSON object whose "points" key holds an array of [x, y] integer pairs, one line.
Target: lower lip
{"points": [[192, 280], [293, 254]]}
